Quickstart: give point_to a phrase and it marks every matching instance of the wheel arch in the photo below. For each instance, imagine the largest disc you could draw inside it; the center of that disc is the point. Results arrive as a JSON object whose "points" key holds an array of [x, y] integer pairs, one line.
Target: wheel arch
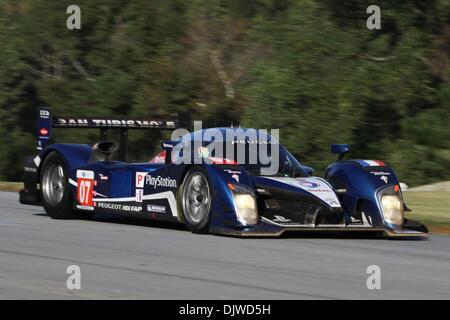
{"points": [[183, 174], [73, 155]]}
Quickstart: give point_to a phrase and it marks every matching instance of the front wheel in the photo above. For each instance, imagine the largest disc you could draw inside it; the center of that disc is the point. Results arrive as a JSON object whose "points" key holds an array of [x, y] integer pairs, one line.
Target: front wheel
{"points": [[196, 200], [56, 196]]}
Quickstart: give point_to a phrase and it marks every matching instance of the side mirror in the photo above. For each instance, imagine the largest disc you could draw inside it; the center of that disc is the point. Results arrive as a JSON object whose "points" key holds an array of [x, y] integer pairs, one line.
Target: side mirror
{"points": [[169, 145], [340, 149]]}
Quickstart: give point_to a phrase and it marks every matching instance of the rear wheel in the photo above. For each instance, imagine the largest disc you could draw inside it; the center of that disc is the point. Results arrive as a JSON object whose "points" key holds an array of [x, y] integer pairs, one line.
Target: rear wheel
{"points": [[57, 199], [196, 198]]}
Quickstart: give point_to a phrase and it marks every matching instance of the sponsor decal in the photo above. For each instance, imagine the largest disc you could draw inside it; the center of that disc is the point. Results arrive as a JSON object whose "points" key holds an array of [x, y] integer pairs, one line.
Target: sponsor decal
{"points": [[140, 178], [159, 181], [43, 132], [261, 190], [139, 195], [380, 173], [88, 122], [73, 122], [315, 186], [85, 187], [234, 174], [103, 177], [254, 142], [384, 176], [168, 195], [232, 171], [156, 208], [119, 207], [308, 184], [312, 186], [86, 174], [130, 208], [44, 114], [109, 205]]}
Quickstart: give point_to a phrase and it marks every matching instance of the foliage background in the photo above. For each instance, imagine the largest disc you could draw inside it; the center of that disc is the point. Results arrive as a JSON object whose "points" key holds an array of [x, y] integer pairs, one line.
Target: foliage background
{"points": [[310, 68]]}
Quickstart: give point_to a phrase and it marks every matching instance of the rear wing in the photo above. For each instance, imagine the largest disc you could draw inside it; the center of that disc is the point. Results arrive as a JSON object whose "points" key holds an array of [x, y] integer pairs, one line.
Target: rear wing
{"points": [[46, 122]]}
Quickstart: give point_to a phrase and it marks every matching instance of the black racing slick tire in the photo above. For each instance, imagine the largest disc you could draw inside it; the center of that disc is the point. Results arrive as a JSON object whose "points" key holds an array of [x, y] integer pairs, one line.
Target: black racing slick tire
{"points": [[196, 200], [57, 199]]}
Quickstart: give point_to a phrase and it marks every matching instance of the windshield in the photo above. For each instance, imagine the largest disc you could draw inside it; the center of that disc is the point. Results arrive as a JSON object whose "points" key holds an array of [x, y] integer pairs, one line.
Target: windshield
{"points": [[253, 156]]}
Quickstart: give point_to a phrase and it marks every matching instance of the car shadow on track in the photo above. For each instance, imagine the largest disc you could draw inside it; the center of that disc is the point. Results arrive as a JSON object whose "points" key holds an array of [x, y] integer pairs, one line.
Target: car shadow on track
{"points": [[142, 222], [108, 218], [355, 235]]}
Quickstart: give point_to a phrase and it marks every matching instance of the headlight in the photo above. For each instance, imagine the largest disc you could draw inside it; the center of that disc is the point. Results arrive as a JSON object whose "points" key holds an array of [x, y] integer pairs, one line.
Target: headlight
{"points": [[392, 206], [245, 205]]}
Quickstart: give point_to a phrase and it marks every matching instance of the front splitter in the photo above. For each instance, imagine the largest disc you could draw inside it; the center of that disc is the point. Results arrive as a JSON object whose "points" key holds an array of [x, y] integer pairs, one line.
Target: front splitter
{"points": [[388, 233]]}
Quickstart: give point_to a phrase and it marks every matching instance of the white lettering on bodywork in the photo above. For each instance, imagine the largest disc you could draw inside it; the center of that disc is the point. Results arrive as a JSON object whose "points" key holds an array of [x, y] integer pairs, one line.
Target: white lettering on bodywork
{"points": [[315, 186]]}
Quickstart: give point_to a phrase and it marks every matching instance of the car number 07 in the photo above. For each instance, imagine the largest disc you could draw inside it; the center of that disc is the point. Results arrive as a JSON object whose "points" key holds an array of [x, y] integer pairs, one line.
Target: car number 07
{"points": [[84, 193]]}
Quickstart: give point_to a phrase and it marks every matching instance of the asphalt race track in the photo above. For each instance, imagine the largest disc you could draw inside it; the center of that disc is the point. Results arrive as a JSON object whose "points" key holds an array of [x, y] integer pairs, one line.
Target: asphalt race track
{"points": [[123, 259]]}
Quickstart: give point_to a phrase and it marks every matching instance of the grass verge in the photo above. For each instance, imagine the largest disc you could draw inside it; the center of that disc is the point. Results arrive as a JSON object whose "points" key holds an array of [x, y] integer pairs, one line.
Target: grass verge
{"points": [[432, 208], [11, 186]]}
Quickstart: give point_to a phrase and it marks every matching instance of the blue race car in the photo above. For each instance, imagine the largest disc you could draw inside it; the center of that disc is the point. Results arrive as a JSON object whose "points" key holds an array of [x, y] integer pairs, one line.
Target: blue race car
{"points": [[211, 193]]}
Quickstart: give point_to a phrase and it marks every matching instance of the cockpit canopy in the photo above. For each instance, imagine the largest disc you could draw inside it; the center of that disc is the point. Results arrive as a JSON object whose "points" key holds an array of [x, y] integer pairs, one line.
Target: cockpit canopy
{"points": [[257, 151]]}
